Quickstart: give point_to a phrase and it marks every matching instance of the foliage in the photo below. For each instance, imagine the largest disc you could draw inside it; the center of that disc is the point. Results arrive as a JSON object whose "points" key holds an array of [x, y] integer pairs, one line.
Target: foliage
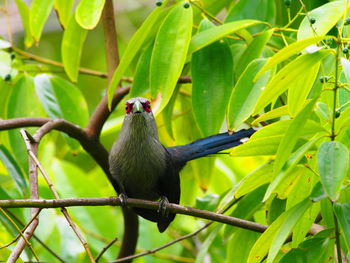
{"points": [[282, 66]]}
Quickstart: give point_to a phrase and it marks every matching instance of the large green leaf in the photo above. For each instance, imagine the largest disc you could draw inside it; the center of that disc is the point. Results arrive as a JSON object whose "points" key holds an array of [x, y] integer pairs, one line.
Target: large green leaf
{"points": [[212, 80], [216, 33], [298, 91], [292, 161], [289, 51], [273, 238], [13, 169], [64, 9], [61, 99], [253, 51], [88, 13], [145, 32], [260, 176], [342, 211], [169, 52], [38, 15], [289, 140], [266, 140], [287, 76], [72, 46], [245, 94], [333, 163], [325, 16], [25, 14]]}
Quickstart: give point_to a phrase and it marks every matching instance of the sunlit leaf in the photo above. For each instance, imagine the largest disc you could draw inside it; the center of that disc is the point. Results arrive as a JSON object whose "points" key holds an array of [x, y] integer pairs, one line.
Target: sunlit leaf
{"points": [[245, 94], [272, 114], [72, 45], [39, 13], [24, 11], [169, 52], [288, 51], [333, 163], [286, 76], [88, 13], [64, 9], [272, 239], [211, 35], [325, 16]]}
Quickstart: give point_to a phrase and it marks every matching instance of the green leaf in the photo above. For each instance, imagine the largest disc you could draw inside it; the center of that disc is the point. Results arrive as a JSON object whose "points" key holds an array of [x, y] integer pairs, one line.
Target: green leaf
{"points": [[310, 251], [64, 9], [61, 99], [88, 13], [245, 94], [343, 121], [272, 114], [38, 15], [287, 76], [333, 162], [216, 33], [260, 176], [290, 164], [13, 169], [253, 51], [298, 92], [146, 31], [25, 14], [141, 78], [273, 238], [239, 245], [267, 140], [169, 52], [72, 47], [289, 51], [22, 102], [207, 243], [326, 17], [5, 64], [342, 211], [295, 129], [212, 80]]}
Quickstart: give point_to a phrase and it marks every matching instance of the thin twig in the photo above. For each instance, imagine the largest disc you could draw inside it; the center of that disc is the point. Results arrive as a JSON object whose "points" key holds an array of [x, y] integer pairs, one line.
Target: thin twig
{"points": [[35, 237], [105, 249]]}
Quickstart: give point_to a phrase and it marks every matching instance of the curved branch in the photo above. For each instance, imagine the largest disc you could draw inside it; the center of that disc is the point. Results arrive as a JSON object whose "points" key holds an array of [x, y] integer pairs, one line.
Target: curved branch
{"points": [[131, 202]]}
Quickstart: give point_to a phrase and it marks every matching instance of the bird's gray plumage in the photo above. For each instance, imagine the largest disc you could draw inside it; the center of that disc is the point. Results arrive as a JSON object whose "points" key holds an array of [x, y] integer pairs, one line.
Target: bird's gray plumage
{"points": [[145, 169]]}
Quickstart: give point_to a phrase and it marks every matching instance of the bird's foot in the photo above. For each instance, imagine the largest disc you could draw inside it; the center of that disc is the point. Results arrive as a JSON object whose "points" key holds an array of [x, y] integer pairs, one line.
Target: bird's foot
{"points": [[123, 198], [162, 206]]}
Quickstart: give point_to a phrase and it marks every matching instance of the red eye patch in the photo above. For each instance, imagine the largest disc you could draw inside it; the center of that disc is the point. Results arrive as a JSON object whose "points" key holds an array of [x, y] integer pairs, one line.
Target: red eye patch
{"points": [[128, 107], [147, 106]]}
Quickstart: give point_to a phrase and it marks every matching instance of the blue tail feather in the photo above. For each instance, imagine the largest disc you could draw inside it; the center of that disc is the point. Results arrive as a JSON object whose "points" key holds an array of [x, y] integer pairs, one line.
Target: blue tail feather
{"points": [[210, 145]]}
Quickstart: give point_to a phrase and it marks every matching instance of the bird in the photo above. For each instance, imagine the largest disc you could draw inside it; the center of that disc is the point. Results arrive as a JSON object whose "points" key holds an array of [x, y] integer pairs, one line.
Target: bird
{"points": [[143, 168]]}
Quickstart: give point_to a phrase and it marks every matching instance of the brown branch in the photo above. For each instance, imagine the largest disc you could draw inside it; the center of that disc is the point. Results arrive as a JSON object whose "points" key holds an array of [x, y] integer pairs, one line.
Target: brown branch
{"points": [[34, 194], [131, 202], [37, 137]]}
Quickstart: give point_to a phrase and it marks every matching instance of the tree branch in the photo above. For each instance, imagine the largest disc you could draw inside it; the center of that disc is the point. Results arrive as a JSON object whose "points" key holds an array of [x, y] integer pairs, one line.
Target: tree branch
{"points": [[131, 202]]}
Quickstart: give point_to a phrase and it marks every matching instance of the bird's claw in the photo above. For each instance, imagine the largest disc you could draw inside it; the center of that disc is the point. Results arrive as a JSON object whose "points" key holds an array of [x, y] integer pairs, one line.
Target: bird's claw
{"points": [[123, 198], [162, 206]]}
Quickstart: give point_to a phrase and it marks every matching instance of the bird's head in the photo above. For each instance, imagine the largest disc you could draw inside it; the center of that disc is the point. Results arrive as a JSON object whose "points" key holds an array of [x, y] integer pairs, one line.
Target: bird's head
{"points": [[138, 106]]}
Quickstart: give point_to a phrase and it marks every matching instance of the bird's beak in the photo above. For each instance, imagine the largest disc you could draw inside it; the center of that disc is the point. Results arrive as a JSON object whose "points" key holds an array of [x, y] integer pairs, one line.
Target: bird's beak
{"points": [[137, 108]]}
